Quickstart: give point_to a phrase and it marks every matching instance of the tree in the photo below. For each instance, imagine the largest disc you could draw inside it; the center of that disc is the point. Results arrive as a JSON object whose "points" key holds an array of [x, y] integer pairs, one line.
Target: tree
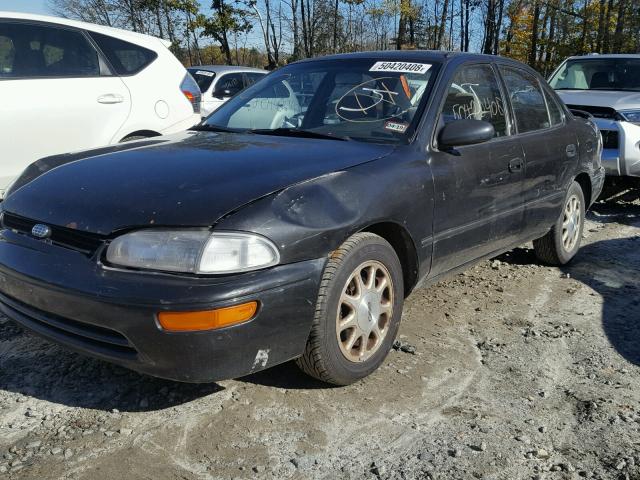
{"points": [[226, 20]]}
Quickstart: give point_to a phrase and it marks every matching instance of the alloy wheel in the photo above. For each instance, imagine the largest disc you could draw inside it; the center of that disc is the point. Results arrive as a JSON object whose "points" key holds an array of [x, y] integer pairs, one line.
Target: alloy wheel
{"points": [[571, 223], [364, 311]]}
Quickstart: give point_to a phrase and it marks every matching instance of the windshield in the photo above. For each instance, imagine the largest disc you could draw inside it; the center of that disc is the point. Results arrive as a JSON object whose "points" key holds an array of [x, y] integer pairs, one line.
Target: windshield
{"points": [[202, 77], [598, 74], [359, 99]]}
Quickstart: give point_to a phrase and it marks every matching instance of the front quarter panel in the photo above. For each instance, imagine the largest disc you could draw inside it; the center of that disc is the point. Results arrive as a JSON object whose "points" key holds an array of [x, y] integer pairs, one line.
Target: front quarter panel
{"points": [[311, 219]]}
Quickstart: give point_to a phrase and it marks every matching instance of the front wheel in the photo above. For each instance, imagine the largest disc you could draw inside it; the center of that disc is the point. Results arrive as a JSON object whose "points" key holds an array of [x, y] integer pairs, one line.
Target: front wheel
{"points": [[358, 311], [562, 242]]}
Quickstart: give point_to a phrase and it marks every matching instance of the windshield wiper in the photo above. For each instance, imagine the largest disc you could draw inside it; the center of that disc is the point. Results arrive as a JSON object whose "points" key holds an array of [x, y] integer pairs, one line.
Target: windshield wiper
{"points": [[213, 128], [296, 132]]}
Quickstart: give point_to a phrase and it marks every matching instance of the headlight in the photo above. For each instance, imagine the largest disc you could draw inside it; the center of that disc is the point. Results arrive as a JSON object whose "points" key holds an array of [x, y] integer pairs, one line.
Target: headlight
{"points": [[193, 251], [632, 116]]}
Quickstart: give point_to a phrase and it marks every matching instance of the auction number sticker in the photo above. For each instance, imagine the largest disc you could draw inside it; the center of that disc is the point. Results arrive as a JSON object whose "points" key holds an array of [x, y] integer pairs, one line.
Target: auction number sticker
{"points": [[205, 73], [400, 67], [396, 126]]}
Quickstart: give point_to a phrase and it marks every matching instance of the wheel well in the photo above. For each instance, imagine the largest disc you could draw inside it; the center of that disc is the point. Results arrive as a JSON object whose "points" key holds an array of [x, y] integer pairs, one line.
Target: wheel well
{"points": [[404, 247], [140, 133], [585, 183]]}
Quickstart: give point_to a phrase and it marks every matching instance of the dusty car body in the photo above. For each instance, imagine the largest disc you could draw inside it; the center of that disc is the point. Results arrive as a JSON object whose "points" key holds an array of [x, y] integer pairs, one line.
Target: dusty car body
{"points": [[352, 178], [608, 88]]}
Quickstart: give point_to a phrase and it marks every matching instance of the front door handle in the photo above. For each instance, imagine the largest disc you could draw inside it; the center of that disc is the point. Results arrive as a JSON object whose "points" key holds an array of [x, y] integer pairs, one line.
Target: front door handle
{"points": [[516, 165], [110, 98], [571, 150]]}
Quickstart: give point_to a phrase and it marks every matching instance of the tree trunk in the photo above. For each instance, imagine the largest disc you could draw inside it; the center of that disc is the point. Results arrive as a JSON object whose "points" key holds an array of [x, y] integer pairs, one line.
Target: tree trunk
{"points": [[296, 34], [606, 42], [489, 28], [443, 24], [534, 35], [467, 8], [496, 44], [335, 26], [617, 36], [601, 26], [462, 25]]}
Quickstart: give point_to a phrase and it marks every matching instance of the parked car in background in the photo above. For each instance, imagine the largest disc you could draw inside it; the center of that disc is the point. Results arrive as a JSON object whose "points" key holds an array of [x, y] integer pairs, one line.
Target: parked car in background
{"points": [[608, 88], [274, 230], [68, 86], [219, 83]]}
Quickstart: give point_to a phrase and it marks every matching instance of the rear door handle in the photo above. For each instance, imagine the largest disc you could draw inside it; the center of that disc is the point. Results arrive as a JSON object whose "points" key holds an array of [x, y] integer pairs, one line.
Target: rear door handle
{"points": [[110, 98], [516, 165]]}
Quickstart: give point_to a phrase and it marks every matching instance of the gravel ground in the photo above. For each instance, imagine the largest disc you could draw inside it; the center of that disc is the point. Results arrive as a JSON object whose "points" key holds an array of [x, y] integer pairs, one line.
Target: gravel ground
{"points": [[512, 370]]}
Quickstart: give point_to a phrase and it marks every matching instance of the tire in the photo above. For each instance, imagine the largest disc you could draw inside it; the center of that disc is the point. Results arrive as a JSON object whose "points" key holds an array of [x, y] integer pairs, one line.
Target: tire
{"points": [[327, 355], [553, 248]]}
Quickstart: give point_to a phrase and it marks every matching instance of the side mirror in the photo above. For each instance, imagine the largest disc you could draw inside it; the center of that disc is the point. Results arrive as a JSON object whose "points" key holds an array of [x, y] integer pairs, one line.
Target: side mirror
{"points": [[465, 132]]}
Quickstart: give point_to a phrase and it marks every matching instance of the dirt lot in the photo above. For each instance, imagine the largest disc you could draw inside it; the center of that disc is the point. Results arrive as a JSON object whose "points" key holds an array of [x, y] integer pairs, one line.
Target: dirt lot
{"points": [[512, 370]]}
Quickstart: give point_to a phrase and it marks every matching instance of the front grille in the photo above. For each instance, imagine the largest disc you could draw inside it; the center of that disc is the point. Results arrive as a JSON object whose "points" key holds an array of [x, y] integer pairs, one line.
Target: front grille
{"points": [[609, 139], [92, 338], [598, 112], [67, 237]]}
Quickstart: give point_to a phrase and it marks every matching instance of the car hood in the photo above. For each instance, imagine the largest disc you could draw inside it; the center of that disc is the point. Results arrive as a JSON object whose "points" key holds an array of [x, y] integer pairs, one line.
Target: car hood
{"points": [[601, 98], [189, 179]]}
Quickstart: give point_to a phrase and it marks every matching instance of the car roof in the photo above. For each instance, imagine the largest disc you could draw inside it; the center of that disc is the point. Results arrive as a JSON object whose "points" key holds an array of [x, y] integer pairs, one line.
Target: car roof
{"points": [[138, 38], [226, 68], [416, 56], [596, 56]]}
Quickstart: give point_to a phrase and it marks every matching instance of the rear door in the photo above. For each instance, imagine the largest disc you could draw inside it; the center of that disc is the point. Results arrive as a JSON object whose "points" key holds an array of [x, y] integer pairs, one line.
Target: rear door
{"points": [[56, 95], [549, 144], [479, 206]]}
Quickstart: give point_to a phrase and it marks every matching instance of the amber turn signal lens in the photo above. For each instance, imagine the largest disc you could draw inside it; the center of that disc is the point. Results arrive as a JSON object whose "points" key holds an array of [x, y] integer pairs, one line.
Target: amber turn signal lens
{"points": [[207, 319]]}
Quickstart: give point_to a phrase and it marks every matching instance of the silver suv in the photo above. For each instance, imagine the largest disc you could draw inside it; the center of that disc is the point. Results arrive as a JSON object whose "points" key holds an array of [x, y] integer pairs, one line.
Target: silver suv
{"points": [[608, 88]]}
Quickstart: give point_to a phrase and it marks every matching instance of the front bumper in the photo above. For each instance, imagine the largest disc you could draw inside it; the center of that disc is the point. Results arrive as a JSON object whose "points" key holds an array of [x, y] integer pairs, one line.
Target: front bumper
{"points": [[69, 298], [621, 147]]}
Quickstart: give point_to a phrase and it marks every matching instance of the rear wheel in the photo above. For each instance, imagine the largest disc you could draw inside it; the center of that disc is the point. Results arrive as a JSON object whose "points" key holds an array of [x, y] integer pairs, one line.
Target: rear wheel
{"points": [[562, 242], [357, 312]]}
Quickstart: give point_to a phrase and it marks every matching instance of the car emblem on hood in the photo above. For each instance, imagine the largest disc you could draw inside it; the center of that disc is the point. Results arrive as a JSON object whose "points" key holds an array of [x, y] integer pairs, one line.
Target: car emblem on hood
{"points": [[41, 231]]}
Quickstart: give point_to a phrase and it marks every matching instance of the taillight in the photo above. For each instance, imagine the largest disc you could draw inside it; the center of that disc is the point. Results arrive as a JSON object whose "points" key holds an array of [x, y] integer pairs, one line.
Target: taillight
{"points": [[191, 91]]}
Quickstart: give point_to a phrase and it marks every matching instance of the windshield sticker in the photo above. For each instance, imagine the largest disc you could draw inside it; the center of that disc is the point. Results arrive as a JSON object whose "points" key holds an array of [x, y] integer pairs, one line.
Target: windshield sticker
{"points": [[205, 73], [396, 126], [375, 100], [400, 67]]}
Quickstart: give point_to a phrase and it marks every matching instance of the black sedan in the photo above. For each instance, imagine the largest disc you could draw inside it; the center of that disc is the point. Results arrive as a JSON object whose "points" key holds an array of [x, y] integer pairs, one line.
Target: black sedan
{"points": [[293, 222]]}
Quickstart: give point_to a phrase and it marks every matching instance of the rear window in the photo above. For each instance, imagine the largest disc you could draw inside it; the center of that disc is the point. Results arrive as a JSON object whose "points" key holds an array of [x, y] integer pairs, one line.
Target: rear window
{"points": [[204, 78], [126, 58]]}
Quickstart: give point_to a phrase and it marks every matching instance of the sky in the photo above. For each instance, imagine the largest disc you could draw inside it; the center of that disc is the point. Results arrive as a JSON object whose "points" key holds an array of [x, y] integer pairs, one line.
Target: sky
{"points": [[29, 6]]}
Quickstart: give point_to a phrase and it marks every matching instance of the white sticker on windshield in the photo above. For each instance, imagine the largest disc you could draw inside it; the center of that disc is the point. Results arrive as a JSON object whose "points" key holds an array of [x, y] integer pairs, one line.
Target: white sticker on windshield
{"points": [[401, 67], [399, 127], [205, 73]]}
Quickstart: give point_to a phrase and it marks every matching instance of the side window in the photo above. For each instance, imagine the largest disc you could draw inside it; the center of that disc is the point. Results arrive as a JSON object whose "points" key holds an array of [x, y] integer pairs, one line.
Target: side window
{"points": [[475, 93], [555, 112], [253, 78], [527, 100], [41, 51], [232, 82], [126, 58], [7, 55]]}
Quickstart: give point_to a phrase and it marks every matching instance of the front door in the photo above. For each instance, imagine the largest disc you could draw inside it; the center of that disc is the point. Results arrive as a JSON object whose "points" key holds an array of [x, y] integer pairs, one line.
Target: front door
{"points": [[479, 205]]}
